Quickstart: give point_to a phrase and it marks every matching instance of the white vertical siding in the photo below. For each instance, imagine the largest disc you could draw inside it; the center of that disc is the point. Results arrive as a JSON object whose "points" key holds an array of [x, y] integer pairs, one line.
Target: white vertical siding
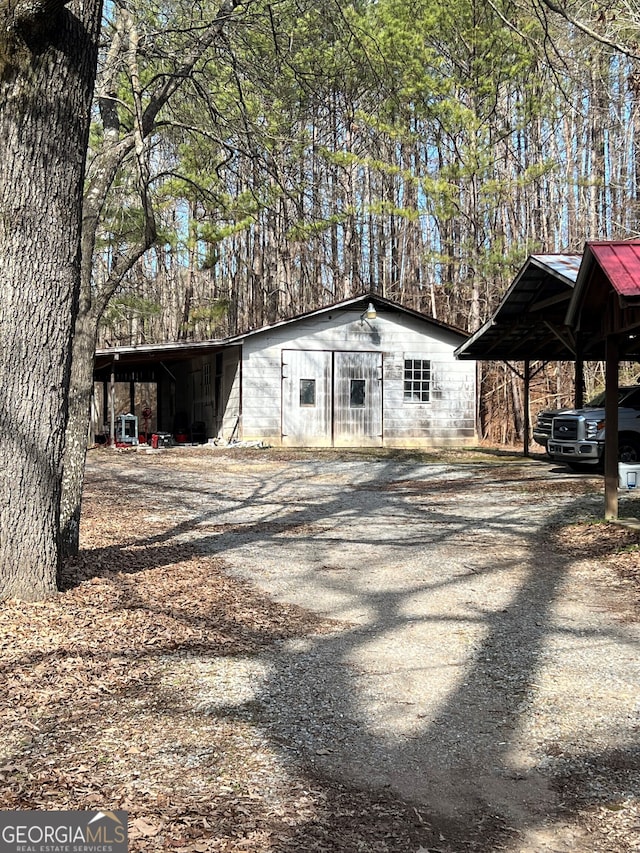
{"points": [[357, 411], [261, 395], [448, 417]]}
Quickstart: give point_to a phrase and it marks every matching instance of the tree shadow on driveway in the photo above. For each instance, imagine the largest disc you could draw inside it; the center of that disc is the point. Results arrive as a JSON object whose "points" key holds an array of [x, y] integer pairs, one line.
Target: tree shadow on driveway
{"points": [[469, 656]]}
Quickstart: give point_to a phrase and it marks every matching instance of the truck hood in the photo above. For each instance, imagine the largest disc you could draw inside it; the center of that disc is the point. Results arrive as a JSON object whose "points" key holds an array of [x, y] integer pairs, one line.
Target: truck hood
{"points": [[599, 414], [554, 413]]}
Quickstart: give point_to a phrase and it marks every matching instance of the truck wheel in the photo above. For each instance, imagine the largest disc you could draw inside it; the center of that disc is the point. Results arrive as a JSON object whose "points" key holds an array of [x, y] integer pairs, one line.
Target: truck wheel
{"points": [[629, 449]]}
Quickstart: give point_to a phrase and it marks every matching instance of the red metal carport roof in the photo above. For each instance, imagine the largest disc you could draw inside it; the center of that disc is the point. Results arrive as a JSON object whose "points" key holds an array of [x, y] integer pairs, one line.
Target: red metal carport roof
{"points": [[621, 263], [606, 298]]}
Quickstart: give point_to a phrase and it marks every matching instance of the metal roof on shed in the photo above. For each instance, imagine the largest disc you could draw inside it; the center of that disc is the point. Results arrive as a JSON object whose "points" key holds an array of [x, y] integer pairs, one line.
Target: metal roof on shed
{"points": [[621, 263], [144, 355], [529, 321], [567, 266], [606, 298]]}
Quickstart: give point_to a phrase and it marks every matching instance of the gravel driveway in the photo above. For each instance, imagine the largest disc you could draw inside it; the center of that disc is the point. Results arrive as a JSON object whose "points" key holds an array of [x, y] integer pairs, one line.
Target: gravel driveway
{"points": [[472, 664]]}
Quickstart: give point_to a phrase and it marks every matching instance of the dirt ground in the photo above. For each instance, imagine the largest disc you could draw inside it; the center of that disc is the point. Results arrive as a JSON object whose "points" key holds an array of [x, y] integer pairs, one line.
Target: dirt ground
{"points": [[366, 651]]}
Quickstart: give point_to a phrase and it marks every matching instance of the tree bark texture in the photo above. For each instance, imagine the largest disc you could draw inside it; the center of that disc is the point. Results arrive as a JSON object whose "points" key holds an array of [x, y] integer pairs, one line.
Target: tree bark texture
{"points": [[48, 56]]}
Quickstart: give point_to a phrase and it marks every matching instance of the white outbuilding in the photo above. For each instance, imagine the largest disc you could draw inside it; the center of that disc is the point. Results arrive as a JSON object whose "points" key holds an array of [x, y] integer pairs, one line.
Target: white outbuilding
{"points": [[363, 372]]}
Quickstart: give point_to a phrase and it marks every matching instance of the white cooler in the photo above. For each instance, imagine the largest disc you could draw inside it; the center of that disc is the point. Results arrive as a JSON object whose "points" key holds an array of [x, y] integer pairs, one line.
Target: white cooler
{"points": [[628, 476]]}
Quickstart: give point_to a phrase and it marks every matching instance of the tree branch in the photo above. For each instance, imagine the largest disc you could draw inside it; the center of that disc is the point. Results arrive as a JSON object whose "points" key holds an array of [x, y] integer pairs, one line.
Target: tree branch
{"points": [[109, 159], [588, 31], [119, 268], [142, 154], [176, 80]]}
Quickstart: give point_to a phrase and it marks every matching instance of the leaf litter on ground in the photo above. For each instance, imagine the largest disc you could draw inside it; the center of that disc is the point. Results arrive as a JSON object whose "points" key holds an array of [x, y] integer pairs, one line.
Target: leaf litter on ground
{"points": [[96, 714]]}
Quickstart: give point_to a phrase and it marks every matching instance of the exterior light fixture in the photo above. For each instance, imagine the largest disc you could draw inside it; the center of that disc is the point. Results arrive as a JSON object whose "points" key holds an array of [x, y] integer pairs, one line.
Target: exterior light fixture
{"points": [[369, 314]]}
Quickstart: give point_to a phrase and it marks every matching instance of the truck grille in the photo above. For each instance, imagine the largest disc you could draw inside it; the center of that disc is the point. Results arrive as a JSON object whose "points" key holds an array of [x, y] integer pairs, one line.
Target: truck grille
{"points": [[565, 429], [544, 423]]}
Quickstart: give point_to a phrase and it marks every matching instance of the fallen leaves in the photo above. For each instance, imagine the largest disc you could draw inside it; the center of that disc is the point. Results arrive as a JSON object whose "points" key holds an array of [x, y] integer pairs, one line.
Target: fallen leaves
{"points": [[99, 707]]}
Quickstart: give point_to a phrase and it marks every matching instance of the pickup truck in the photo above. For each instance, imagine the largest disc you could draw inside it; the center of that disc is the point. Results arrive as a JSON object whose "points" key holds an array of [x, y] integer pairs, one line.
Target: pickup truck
{"points": [[542, 428], [577, 435]]}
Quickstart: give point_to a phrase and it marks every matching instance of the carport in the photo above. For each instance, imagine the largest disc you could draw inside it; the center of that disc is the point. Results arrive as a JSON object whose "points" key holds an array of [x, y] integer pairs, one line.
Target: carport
{"points": [[529, 324], [166, 366], [604, 313], [567, 308]]}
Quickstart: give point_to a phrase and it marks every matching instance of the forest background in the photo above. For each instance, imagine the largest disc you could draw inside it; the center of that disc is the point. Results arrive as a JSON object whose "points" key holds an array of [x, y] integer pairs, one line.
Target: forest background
{"points": [[420, 151]]}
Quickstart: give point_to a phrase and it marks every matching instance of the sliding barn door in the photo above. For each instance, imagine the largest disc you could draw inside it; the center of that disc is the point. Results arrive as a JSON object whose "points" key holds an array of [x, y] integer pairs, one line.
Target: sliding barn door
{"points": [[357, 399], [306, 398], [331, 398]]}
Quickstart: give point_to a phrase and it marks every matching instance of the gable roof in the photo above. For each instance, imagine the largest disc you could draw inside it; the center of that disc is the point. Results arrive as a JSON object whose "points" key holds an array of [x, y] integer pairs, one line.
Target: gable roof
{"points": [[619, 261], [529, 320], [176, 350], [357, 303]]}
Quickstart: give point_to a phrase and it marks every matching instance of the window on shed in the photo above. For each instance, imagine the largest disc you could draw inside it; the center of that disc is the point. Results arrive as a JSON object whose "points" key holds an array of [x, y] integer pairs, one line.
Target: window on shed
{"points": [[357, 394], [417, 380], [307, 392]]}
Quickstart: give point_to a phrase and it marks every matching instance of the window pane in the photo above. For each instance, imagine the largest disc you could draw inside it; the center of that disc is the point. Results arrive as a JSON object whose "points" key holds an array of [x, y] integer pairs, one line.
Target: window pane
{"points": [[356, 395], [307, 392], [417, 379]]}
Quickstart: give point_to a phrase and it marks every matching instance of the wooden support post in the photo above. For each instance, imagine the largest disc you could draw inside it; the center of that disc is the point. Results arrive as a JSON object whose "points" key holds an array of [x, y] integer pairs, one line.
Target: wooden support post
{"points": [[578, 395], [112, 402], [611, 430], [525, 414], [112, 407], [105, 404]]}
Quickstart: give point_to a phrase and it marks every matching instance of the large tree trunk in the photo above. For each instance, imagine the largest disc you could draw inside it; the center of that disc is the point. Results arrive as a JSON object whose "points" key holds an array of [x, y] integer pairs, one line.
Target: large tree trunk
{"points": [[48, 58]]}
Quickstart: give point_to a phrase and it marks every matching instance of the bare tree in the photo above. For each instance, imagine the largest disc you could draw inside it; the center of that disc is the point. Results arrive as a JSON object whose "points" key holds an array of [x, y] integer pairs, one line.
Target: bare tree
{"points": [[121, 143]]}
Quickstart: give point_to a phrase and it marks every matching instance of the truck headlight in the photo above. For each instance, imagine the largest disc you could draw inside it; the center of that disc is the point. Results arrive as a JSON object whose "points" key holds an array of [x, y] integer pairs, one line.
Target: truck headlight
{"points": [[592, 428]]}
